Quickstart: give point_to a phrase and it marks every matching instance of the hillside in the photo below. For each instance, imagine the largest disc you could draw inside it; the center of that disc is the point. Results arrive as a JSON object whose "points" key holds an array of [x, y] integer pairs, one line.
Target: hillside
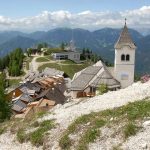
{"points": [[107, 121], [16, 42], [100, 41]]}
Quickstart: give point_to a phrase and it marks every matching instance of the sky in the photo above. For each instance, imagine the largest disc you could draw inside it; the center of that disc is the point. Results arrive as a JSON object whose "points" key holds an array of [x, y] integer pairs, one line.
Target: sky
{"points": [[32, 15]]}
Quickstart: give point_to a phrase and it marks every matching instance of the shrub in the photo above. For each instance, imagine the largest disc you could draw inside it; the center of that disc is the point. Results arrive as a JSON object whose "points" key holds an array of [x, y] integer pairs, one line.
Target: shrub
{"points": [[89, 136], [2, 130], [103, 89], [129, 130], [65, 142], [21, 136], [37, 136]]}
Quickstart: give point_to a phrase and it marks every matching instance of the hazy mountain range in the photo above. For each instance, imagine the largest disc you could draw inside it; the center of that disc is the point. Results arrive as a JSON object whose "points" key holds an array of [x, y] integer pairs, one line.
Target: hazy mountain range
{"points": [[100, 41]]}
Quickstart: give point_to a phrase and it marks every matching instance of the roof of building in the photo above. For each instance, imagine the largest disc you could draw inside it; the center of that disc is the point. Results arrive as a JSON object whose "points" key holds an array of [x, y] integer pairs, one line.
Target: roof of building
{"points": [[53, 94], [80, 82], [105, 78], [94, 76], [28, 86], [18, 106], [26, 98], [67, 52], [125, 39]]}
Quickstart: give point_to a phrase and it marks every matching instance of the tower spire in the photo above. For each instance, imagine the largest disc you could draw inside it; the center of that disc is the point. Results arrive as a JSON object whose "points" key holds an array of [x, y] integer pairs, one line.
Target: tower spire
{"points": [[125, 38], [125, 21]]}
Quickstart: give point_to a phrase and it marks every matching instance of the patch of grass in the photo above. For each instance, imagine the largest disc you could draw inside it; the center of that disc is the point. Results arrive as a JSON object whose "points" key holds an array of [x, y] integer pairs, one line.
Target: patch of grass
{"points": [[129, 130], [2, 130], [37, 137], [68, 62], [28, 60], [13, 82], [95, 120], [42, 59], [21, 135], [65, 142], [41, 114], [99, 123], [69, 69], [89, 136]]}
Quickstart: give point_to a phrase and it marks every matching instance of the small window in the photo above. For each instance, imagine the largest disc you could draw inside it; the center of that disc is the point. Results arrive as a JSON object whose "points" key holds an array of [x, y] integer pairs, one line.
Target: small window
{"points": [[128, 57], [122, 57]]}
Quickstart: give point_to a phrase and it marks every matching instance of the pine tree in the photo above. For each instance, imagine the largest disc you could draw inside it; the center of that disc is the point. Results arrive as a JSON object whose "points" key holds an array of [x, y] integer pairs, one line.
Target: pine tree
{"points": [[5, 111]]}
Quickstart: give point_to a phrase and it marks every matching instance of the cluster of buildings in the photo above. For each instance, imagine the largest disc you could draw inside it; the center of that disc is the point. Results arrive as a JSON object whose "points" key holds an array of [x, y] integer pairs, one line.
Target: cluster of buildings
{"points": [[44, 90], [37, 94]]}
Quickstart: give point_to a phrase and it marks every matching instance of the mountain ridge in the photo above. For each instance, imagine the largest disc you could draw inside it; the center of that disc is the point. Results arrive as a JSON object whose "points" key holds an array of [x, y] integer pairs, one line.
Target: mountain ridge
{"points": [[100, 41]]}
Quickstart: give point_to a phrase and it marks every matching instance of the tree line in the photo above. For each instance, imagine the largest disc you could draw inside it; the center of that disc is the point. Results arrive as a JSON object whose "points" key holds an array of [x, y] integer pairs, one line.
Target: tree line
{"points": [[5, 108], [13, 62]]}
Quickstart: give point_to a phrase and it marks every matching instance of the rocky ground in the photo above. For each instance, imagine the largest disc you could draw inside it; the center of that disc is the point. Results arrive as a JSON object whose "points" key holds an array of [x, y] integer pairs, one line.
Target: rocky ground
{"points": [[64, 115]]}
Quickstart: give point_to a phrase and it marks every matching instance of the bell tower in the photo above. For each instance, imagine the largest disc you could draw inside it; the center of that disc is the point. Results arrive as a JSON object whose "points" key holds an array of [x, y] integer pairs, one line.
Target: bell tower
{"points": [[125, 58]]}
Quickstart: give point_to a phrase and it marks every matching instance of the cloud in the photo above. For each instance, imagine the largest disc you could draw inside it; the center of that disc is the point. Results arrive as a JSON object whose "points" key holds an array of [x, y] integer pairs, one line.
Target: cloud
{"points": [[137, 18]]}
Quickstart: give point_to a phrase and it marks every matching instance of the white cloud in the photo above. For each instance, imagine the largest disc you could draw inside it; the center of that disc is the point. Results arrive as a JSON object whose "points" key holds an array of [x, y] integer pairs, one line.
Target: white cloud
{"points": [[138, 18]]}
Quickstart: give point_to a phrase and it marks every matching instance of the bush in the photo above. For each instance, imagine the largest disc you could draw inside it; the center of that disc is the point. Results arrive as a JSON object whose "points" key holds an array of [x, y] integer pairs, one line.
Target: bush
{"points": [[89, 136], [129, 130], [103, 89], [37, 137], [65, 142], [2, 130], [21, 136]]}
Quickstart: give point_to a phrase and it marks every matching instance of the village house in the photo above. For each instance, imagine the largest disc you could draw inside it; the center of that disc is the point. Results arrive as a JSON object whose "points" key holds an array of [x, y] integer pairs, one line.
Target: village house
{"points": [[87, 81]]}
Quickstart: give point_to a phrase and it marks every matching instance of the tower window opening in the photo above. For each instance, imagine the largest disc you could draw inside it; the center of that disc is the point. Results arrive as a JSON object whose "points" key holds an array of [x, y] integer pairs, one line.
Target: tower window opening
{"points": [[122, 57], [128, 57]]}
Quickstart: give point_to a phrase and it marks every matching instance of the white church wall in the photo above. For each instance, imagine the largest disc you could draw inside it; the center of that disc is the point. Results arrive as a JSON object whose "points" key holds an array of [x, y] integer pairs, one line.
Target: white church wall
{"points": [[124, 70]]}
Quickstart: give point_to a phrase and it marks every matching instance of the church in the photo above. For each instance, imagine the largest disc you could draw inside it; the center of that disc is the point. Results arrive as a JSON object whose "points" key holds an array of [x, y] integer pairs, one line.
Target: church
{"points": [[86, 82]]}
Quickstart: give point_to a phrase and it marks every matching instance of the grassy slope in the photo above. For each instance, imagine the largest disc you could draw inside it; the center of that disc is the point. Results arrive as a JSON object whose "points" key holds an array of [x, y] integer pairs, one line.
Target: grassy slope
{"points": [[68, 67], [128, 118]]}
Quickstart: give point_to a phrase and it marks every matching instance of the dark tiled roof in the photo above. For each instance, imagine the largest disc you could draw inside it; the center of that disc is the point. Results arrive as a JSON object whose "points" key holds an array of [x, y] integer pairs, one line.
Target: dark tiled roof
{"points": [[29, 86], [18, 106], [26, 98], [125, 39], [53, 94]]}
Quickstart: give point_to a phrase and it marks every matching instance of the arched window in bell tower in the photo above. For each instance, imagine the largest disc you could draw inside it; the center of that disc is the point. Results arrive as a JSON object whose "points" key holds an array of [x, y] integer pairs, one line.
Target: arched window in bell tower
{"points": [[127, 57], [122, 57]]}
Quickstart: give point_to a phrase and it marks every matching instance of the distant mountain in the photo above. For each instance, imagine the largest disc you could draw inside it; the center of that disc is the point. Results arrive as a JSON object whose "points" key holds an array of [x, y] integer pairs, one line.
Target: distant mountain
{"points": [[16, 42], [100, 41], [8, 35]]}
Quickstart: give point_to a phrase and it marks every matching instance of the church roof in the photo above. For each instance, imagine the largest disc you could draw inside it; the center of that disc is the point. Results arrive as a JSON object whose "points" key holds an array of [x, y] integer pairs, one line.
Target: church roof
{"points": [[125, 39], [94, 76]]}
